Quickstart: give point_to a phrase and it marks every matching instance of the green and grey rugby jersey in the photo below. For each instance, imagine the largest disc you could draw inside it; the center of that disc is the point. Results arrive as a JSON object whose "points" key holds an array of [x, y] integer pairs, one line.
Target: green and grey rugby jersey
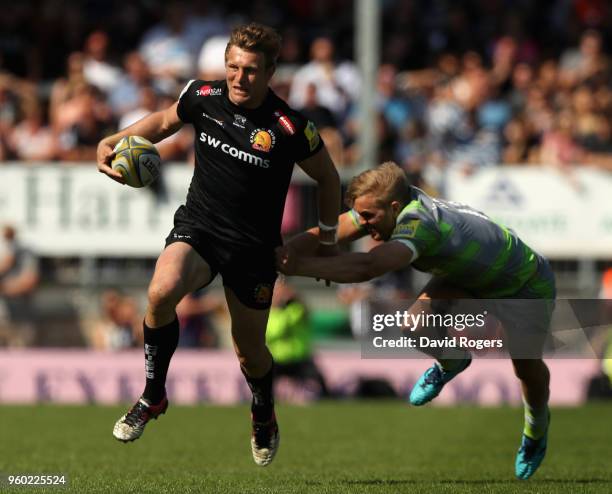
{"points": [[463, 245]]}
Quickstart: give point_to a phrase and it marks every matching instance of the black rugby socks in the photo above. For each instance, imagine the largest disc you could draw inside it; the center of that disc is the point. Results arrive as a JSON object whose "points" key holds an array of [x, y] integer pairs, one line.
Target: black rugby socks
{"points": [[159, 345], [262, 406]]}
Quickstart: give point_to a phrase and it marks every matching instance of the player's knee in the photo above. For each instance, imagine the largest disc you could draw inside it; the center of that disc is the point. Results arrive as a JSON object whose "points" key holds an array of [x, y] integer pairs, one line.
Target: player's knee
{"points": [[253, 359], [248, 357], [163, 295]]}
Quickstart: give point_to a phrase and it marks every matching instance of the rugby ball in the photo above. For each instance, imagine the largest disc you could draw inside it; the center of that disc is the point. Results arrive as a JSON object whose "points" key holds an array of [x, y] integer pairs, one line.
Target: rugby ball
{"points": [[137, 160]]}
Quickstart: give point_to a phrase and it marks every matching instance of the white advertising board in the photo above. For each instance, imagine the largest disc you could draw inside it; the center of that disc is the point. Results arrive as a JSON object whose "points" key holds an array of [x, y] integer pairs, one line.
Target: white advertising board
{"points": [[561, 215], [76, 211]]}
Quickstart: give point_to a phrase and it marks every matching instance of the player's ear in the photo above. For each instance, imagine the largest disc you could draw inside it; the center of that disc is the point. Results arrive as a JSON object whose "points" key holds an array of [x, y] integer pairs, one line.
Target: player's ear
{"points": [[396, 207], [270, 70]]}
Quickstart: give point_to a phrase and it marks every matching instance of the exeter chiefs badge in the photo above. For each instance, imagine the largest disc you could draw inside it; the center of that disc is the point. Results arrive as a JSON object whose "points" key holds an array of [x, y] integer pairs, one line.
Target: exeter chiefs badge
{"points": [[263, 293], [263, 140]]}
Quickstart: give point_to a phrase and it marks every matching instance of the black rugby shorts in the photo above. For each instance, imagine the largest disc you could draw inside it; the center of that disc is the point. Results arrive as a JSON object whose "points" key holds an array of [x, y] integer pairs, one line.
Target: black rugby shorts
{"points": [[249, 271]]}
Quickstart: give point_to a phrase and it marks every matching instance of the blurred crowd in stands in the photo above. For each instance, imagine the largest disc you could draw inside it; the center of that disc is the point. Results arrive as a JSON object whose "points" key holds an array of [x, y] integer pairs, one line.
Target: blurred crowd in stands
{"points": [[462, 84], [466, 84]]}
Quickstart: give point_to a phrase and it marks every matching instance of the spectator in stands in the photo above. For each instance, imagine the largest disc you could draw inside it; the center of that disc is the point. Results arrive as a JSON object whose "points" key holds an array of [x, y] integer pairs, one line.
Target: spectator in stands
{"points": [[538, 111], [590, 124], [125, 96], [9, 103], [337, 84], [446, 120], [97, 68], [8, 114], [289, 62], [516, 149], [585, 63], [170, 47], [291, 51], [19, 278], [211, 60], [63, 90], [312, 110], [326, 123], [32, 139], [196, 318], [288, 337], [393, 105], [387, 139], [120, 325], [147, 103], [82, 121], [559, 147], [442, 104], [396, 121], [522, 79], [504, 59]]}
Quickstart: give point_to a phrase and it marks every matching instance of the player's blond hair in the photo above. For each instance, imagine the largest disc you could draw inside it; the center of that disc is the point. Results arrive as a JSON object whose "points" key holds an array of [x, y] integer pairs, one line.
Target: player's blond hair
{"points": [[386, 182], [256, 37]]}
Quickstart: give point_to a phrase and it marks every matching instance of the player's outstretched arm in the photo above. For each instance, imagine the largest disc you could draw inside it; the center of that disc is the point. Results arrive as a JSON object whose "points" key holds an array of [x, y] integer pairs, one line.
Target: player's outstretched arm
{"points": [[306, 244], [154, 127], [321, 169], [346, 268]]}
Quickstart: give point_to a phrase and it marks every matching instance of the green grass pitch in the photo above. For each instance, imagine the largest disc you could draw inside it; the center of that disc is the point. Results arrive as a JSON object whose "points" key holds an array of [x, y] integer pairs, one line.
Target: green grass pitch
{"points": [[355, 447]]}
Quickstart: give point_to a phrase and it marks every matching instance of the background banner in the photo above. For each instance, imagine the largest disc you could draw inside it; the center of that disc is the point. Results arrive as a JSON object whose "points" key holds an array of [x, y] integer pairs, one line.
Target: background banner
{"points": [[558, 213], [81, 376], [75, 211]]}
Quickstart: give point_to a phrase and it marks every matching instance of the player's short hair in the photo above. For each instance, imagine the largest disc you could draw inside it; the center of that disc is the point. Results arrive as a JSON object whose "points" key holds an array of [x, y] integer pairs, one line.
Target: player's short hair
{"points": [[386, 182], [256, 37]]}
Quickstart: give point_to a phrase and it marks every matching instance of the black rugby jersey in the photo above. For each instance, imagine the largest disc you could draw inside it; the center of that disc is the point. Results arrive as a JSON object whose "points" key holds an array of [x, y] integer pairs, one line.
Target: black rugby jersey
{"points": [[243, 162]]}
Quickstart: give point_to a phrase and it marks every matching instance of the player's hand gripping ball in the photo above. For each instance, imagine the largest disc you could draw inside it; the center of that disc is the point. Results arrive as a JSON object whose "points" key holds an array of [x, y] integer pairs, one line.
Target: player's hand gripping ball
{"points": [[137, 160]]}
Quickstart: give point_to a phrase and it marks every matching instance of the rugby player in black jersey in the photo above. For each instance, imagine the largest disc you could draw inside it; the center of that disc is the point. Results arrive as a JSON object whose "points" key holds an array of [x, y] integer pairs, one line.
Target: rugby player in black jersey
{"points": [[246, 141]]}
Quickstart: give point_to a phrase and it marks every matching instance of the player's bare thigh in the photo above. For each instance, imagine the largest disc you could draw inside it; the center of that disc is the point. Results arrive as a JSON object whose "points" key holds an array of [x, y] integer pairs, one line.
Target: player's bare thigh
{"points": [[179, 270], [249, 335]]}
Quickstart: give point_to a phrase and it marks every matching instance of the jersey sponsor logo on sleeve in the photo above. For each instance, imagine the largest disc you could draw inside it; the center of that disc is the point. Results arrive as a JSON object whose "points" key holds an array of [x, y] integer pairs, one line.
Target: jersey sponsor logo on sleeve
{"points": [[312, 135], [263, 140], [208, 90], [406, 230], [285, 124]]}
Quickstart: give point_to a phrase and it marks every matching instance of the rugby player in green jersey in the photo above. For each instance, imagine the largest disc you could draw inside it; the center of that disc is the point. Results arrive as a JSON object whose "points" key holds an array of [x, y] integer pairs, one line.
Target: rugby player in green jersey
{"points": [[470, 257]]}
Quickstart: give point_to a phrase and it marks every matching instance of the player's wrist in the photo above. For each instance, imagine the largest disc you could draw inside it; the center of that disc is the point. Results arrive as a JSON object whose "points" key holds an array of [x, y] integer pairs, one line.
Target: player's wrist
{"points": [[328, 228], [328, 234], [329, 243], [328, 238]]}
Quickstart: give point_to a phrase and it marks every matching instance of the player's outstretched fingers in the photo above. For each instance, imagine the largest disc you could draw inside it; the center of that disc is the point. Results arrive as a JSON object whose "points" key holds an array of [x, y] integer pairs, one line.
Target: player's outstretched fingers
{"points": [[115, 175]]}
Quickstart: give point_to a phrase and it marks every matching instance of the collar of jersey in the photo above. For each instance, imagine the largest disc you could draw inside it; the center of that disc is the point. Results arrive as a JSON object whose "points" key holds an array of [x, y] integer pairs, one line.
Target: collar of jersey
{"points": [[242, 109], [412, 202]]}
